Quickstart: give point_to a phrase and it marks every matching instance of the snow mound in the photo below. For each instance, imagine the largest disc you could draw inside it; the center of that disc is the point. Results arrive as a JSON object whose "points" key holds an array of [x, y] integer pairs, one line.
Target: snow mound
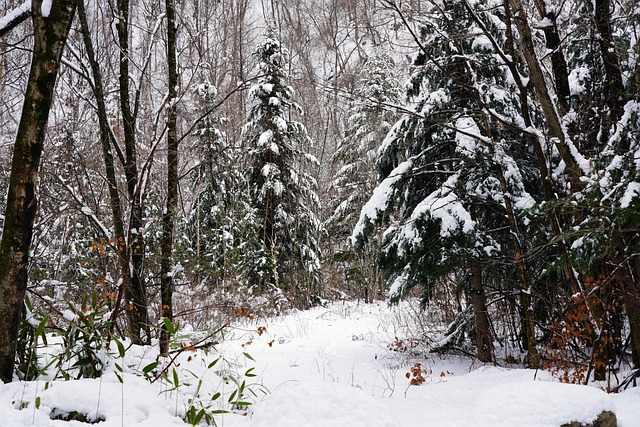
{"points": [[319, 404], [539, 404]]}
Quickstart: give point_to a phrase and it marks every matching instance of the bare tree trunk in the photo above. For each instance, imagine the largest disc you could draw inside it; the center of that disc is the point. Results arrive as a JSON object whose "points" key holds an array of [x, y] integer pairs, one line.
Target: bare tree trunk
{"points": [[626, 279], [135, 295], [50, 35], [562, 144], [106, 140], [549, 110], [168, 218], [545, 174], [484, 340], [527, 320], [613, 85], [558, 62]]}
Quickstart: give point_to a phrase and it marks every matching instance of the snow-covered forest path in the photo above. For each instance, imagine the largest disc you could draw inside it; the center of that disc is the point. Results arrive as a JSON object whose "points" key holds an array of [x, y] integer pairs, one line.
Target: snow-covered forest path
{"points": [[332, 367]]}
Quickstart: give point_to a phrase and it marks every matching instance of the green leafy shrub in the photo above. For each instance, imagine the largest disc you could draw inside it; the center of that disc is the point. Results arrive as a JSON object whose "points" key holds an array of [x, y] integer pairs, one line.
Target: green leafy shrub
{"points": [[84, 339], [30, 333]]}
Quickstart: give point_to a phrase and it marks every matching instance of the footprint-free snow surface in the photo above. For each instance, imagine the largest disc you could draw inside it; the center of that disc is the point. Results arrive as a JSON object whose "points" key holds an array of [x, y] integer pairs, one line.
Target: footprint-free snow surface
{"points": [[330, 366]]}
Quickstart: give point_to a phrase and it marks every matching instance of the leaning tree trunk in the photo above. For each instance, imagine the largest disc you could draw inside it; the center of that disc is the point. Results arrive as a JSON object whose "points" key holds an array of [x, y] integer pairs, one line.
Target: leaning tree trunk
{"points": [[49, 37], [168, 219], [556, 132], [107, 141]]}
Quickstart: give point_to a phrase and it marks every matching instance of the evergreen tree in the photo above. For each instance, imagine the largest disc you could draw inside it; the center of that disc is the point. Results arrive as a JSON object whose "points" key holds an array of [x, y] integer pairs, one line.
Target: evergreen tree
{"points": [[215, 178], [372, 115], [606, 252], [282, 188], [457, 181], [221, 228]]}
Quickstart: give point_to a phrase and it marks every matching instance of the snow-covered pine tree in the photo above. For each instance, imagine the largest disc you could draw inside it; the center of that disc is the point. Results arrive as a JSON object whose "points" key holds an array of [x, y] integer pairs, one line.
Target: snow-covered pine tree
{"points": [[457, 176], [605, 118], [214, 179], [218, 235], [372, 115], [282, 188]]}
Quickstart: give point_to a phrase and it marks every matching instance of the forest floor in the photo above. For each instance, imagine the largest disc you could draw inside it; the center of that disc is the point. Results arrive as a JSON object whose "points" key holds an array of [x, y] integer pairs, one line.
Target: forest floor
{"points": [[340, 365]]}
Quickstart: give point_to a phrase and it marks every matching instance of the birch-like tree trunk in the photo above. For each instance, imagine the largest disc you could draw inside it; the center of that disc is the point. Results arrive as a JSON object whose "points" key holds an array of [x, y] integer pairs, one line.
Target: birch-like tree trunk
{"points": [[49, 34]]}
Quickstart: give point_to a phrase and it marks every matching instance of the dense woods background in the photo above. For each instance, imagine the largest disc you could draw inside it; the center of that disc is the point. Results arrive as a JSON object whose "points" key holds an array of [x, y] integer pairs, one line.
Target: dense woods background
{"points": [[204, 159]]}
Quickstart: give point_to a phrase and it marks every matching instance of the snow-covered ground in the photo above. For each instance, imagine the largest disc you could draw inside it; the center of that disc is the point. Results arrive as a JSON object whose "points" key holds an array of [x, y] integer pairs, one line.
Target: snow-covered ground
{"points": [[329, 366]]}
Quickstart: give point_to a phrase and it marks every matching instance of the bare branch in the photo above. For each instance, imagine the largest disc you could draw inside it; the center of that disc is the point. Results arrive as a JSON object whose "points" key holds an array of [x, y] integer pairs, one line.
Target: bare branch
{"points": [[14, 18]]}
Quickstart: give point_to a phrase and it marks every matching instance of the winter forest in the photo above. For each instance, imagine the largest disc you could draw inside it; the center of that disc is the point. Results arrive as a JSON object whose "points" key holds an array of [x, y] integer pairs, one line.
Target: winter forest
{"points": [[179, 179]]}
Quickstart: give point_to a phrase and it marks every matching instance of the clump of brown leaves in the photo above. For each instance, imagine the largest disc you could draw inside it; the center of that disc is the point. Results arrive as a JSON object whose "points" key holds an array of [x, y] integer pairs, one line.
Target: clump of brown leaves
{"points": [[572, 353], [417, 375]]}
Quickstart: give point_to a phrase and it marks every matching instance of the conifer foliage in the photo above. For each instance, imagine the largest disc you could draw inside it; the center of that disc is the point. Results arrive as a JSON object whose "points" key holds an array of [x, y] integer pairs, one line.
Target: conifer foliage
{"points": [[493, 164], [372, 114], [502, 183], [282, 187]]}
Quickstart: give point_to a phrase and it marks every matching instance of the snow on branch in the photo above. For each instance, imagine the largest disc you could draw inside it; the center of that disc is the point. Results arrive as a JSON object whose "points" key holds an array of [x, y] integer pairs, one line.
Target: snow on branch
{"points": [[380, 201], [15, 17], [443, 205], [87, 211]]}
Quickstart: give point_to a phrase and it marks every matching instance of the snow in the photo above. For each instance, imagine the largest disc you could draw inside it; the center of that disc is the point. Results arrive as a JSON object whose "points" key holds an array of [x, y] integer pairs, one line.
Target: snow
{"points": [[582, 161], [176, 269], [12, 15], [577, 80], [318, 403], [312, 159], [435, 99], [521, 198], [265, 140], [280, 123], [269, 170], [46, 8], [445, 205], [481, 43], [380, 199], [465, 141], [631, 192], [69, 315], [396, 287], [544, 23], [539, 404], [328, 366]]}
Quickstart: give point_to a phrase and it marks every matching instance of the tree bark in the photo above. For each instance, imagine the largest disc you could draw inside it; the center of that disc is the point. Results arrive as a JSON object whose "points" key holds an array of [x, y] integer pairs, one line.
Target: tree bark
{"points": [[614, 92], [541, 159], [484, 341], [135, 295], [168, 218], [626, 278], [556, 131], [107, 141], [558, 61], [613, 85], [527, 321], [50, 35]]}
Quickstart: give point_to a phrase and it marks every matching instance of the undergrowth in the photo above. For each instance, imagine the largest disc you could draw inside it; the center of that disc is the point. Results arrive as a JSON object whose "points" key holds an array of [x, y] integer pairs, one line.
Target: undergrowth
{"points": [[77, 344]]}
